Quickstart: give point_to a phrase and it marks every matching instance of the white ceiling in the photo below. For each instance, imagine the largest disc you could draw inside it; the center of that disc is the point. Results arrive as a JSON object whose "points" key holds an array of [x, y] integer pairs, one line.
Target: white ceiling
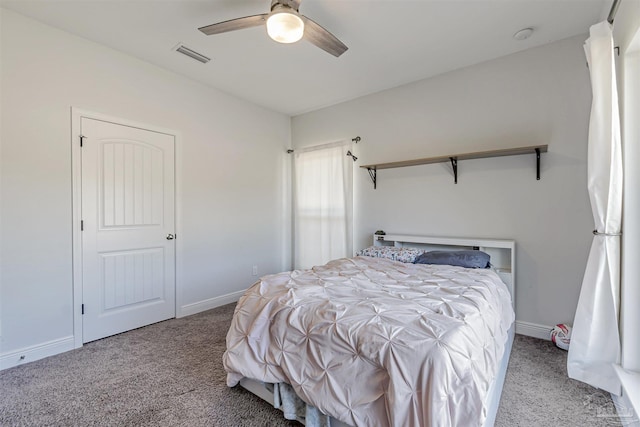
{"points": [[391, 42]]}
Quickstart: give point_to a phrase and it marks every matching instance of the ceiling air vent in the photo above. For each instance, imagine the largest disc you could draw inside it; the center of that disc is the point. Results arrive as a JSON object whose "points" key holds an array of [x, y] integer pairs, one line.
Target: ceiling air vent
{"points": [[191, 53]]}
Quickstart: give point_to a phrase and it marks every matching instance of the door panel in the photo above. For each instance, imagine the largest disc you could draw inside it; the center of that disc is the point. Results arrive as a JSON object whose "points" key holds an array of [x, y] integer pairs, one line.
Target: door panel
{"points": [[131, 279], [127, 211], [132, 184]]}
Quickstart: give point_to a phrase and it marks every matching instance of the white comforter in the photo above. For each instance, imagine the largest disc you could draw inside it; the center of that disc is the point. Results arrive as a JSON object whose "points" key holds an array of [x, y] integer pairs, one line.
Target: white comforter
{"points": [[374, 342]]}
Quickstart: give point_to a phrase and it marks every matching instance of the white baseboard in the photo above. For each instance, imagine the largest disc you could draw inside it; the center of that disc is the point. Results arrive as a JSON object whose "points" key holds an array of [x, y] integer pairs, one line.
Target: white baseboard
{"points": [[208, 304], [628, 404], [626, 414], [36, 352], [533, 330], [51, 348]]}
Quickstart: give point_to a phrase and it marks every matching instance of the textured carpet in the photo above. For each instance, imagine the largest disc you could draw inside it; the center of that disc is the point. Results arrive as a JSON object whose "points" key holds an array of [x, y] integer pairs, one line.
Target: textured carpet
{"points": [[538, 392], [171, 374]]}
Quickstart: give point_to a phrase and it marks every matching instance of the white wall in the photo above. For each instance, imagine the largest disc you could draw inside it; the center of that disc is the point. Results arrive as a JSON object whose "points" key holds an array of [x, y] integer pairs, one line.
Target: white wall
{"points": [[231, 166], [539, 96]]}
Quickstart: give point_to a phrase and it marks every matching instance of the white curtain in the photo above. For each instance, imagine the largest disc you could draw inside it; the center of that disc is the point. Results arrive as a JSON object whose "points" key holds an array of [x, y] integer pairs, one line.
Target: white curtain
{"points": [[323, 204], [595, 340]]}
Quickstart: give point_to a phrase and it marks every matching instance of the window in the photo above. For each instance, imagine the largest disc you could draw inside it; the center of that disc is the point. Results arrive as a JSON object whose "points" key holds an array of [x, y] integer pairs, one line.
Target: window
{"points": [[323, 204]]}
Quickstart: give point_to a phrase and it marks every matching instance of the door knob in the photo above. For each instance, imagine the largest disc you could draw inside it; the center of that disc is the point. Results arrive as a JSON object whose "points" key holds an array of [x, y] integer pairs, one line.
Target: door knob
{"points": [[170, 236]]}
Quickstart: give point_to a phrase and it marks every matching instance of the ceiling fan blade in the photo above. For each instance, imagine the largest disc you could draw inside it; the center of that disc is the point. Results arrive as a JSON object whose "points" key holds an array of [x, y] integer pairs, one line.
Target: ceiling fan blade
{"points": [[235, 24], [322, 38]]}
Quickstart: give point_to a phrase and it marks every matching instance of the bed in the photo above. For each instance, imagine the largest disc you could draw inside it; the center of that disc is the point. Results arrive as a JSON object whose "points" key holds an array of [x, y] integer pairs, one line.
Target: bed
{"points": [[373, 341]]}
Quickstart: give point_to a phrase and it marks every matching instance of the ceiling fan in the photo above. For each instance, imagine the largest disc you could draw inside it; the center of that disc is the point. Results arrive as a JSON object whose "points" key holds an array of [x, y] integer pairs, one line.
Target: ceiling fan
{"points": [[284, 25]]}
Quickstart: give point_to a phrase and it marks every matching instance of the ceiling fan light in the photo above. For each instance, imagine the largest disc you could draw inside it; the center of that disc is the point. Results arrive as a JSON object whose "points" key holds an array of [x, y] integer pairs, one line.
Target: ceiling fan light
{"points": [[285, 27]]}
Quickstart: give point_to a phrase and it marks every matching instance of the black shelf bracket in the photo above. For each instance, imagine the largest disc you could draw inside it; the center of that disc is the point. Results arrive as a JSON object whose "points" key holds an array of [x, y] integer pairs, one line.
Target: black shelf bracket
{"points": [[538, 164], [373, 173], [454, 165]]}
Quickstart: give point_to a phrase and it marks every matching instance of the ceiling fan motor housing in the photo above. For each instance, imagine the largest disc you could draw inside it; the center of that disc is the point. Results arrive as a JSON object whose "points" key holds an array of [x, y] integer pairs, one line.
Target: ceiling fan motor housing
{"points": [[284, 25], [291, 4]]}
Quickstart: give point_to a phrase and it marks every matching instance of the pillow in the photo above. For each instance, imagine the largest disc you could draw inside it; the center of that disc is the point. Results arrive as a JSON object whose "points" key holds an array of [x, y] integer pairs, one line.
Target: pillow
{"points": [[469, 259], [391, 252]]}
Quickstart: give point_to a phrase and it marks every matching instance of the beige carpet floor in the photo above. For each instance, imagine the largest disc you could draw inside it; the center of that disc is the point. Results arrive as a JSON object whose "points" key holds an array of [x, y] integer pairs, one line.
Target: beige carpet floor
{"points": [[171, 374]]}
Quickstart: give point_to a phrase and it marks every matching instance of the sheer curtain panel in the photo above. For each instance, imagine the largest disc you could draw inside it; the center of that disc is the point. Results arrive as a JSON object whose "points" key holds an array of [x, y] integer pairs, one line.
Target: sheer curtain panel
{"points": [[323, 204], [595, 341]]}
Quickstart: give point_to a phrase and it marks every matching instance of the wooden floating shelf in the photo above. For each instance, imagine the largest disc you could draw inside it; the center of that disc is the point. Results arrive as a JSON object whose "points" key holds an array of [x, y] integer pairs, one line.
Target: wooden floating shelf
{"points": [[465, 156], [453, 159]]}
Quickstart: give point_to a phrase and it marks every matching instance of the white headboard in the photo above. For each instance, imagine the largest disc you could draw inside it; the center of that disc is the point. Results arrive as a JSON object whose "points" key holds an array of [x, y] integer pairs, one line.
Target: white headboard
{"points": [[502, 252]]}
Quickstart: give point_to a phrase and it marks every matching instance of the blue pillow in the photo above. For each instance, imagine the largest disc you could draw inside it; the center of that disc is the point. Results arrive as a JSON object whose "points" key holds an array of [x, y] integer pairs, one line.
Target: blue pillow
{"points": [[469, 259]]}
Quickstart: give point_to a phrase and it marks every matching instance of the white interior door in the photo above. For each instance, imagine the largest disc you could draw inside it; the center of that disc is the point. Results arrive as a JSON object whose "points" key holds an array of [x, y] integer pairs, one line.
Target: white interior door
{"points": [[128, 251]]}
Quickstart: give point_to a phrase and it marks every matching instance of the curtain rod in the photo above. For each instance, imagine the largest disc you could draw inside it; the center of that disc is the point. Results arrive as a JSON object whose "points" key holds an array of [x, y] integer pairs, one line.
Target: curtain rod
{"points": [[356, 140], [613, 11]]}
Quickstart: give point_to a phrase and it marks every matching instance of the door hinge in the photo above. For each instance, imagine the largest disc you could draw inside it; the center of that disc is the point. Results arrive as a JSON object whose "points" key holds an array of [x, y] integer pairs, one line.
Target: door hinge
{"points": [[82, 137], [81, 225], [82, 306]]}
